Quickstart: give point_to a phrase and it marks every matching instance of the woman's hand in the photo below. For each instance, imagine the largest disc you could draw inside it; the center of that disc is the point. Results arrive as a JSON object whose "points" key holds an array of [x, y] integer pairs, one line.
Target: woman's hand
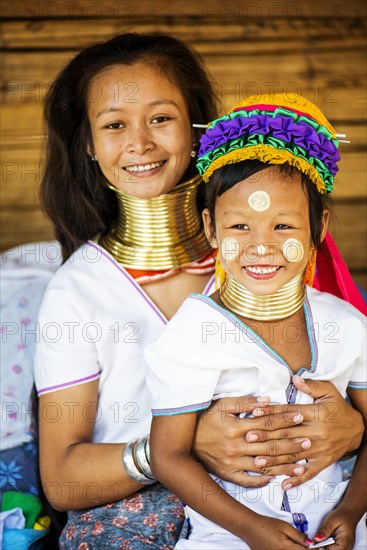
{"points": [[332, 425], [223, 441], [271, 444]]}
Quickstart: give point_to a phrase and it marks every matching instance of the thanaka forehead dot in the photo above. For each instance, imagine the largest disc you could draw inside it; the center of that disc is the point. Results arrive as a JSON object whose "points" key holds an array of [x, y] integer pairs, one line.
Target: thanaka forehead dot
{"points": [[259, 201]]}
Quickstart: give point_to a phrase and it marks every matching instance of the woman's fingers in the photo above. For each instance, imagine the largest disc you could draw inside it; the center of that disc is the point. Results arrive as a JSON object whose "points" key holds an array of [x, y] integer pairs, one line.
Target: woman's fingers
{"points": [[249, 481], [291, 470], [290, 449], [311, 469]]}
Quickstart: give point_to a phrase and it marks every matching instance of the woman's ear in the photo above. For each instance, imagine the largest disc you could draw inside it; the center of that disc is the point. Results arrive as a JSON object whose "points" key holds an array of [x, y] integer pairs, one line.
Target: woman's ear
{"points": [[208, 228], [325, 223]]}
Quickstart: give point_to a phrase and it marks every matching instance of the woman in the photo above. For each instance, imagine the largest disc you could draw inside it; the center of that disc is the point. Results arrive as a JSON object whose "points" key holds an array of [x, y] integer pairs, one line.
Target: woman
{"points": [[117, 187]]}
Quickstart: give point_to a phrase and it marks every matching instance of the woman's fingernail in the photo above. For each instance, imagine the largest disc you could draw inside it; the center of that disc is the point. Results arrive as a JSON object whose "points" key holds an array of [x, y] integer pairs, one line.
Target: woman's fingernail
{"points": [[298, 471], [257, 412], [318, 536], [263, 399], [260, 461], [298, 418], [251, 437], [306, 444], [287, 486], [309, 542]]}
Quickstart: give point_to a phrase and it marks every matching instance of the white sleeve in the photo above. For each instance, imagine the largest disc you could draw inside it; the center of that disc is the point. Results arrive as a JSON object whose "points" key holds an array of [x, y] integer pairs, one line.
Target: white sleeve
{"points": [[358, 377], [181, 375], [64, 356]]}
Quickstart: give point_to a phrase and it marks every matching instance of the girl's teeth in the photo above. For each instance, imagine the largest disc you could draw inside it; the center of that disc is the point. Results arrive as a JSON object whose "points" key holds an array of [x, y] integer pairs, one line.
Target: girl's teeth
{"points": [[143, 167], [261, 270]]}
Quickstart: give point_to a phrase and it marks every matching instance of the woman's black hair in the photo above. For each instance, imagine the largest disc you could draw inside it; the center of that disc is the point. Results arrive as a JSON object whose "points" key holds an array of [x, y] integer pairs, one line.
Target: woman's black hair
{"points": [[72, 190], [228, 176]]}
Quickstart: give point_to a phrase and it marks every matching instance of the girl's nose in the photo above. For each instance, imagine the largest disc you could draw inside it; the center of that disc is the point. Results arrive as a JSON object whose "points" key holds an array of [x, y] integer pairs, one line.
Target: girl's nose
{"points": [[260, 250]]}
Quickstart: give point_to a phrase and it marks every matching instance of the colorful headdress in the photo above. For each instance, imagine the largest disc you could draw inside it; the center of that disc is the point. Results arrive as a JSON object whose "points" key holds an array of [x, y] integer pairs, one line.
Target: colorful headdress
{"points": [[274, 129]]}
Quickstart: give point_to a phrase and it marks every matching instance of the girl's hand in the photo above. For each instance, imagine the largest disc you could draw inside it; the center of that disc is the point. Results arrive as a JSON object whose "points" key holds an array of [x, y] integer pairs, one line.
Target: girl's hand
{"points": [[221, 441], [341, 526], [276, 535]]}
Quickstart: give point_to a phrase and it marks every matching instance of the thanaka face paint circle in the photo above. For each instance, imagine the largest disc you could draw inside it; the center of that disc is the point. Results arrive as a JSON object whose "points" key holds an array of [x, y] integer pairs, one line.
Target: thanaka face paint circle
{"points": [[259, 201], [293, 250], [229, 249]]}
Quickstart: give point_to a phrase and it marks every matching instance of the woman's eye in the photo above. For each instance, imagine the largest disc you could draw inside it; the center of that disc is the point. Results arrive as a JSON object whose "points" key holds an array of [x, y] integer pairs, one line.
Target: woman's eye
{"points": [[115, 126], [160, 119], [283, 226]]}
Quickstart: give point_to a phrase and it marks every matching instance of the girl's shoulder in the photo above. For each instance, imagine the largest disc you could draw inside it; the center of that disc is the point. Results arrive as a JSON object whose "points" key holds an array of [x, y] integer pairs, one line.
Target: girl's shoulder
{"points": [[199, 314], [330, 307]]}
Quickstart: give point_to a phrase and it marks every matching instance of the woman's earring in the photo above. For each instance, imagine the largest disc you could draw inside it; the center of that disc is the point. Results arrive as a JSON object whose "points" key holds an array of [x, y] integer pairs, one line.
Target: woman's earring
{"points": [[193, 152], [94, 158]]}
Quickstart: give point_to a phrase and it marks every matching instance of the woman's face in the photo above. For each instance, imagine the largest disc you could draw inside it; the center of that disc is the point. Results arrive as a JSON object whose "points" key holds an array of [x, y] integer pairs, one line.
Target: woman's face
{"points": [[141, 131], [263, 230]]}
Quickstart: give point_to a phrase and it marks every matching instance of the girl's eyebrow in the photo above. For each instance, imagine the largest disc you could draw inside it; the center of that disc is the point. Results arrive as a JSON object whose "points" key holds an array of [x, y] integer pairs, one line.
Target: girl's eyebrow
{"points": [[289, 213], [248, 213], [155, 103], [235, 212]]}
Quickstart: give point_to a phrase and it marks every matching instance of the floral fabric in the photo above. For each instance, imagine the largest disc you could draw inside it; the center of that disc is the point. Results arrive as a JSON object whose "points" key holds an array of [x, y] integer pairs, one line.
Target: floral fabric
{"points": [[152, 518], [19, 469]]}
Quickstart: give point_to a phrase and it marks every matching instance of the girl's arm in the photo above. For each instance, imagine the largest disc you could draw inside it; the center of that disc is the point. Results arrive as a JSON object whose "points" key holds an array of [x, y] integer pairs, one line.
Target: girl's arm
{"points": [[75, 472], [321, 433], [171, 441], [342, 521]]}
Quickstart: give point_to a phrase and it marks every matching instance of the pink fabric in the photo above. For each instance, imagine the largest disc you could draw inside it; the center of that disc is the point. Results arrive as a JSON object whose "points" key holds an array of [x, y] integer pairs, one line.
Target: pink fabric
{"points": [[332, 275]]}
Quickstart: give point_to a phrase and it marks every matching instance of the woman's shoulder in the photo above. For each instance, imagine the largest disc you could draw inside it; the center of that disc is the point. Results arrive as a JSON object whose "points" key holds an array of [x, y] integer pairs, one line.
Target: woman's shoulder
{"points": [[90, 262]]}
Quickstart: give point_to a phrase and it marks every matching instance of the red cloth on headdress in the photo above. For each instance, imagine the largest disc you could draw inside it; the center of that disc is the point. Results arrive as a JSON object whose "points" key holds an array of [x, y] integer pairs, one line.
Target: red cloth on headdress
{"points": [[332, 275]]}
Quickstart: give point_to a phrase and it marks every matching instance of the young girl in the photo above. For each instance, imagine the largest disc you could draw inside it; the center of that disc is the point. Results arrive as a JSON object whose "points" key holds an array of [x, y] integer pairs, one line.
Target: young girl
{"points": [[269, 165]]}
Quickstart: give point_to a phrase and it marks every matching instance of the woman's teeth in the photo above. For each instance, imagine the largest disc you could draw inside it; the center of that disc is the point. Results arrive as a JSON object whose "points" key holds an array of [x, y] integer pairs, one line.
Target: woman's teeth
{"points": [[143, 167], [262, 270]]}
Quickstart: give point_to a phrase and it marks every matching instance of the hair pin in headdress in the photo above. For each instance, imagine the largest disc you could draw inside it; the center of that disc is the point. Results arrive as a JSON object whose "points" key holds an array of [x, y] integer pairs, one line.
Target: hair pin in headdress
{"points": [[275, 129]]}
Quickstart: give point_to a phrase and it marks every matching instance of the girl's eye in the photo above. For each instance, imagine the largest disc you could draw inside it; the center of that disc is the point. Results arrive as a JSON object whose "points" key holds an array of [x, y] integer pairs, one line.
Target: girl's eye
{"points": [[283, 226], [115, 126], [160, 119], [241, 226]]}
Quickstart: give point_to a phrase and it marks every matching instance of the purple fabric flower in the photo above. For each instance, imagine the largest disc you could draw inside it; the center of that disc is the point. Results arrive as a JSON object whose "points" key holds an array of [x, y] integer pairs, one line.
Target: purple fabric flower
{"points": [[299, 133]]}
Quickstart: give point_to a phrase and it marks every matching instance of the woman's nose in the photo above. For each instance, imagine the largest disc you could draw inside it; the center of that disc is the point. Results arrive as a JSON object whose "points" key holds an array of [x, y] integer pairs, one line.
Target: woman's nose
{"points": [[139, 140]]}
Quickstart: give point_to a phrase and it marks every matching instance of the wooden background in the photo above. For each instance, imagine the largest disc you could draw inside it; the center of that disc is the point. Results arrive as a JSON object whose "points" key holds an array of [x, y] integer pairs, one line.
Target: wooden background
{"points": [[317, 48]]}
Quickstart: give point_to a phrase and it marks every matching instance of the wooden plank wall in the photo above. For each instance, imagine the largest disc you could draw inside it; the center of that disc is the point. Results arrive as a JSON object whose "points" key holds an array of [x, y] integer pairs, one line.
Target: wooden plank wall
{"points": [[317, 48]]}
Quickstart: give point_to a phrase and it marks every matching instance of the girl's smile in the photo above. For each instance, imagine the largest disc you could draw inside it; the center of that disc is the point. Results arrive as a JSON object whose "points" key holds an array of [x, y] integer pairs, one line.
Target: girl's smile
{"points": [[261, 271]]}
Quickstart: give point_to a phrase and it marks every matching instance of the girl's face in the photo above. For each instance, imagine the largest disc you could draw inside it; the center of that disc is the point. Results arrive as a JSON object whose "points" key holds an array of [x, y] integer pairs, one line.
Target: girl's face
{"points": [[141, 131], [262, 230]]}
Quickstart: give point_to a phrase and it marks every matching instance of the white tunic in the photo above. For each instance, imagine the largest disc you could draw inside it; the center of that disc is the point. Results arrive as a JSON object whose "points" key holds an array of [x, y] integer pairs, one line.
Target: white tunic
{"points": [[94, 323], [206, 352]]}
